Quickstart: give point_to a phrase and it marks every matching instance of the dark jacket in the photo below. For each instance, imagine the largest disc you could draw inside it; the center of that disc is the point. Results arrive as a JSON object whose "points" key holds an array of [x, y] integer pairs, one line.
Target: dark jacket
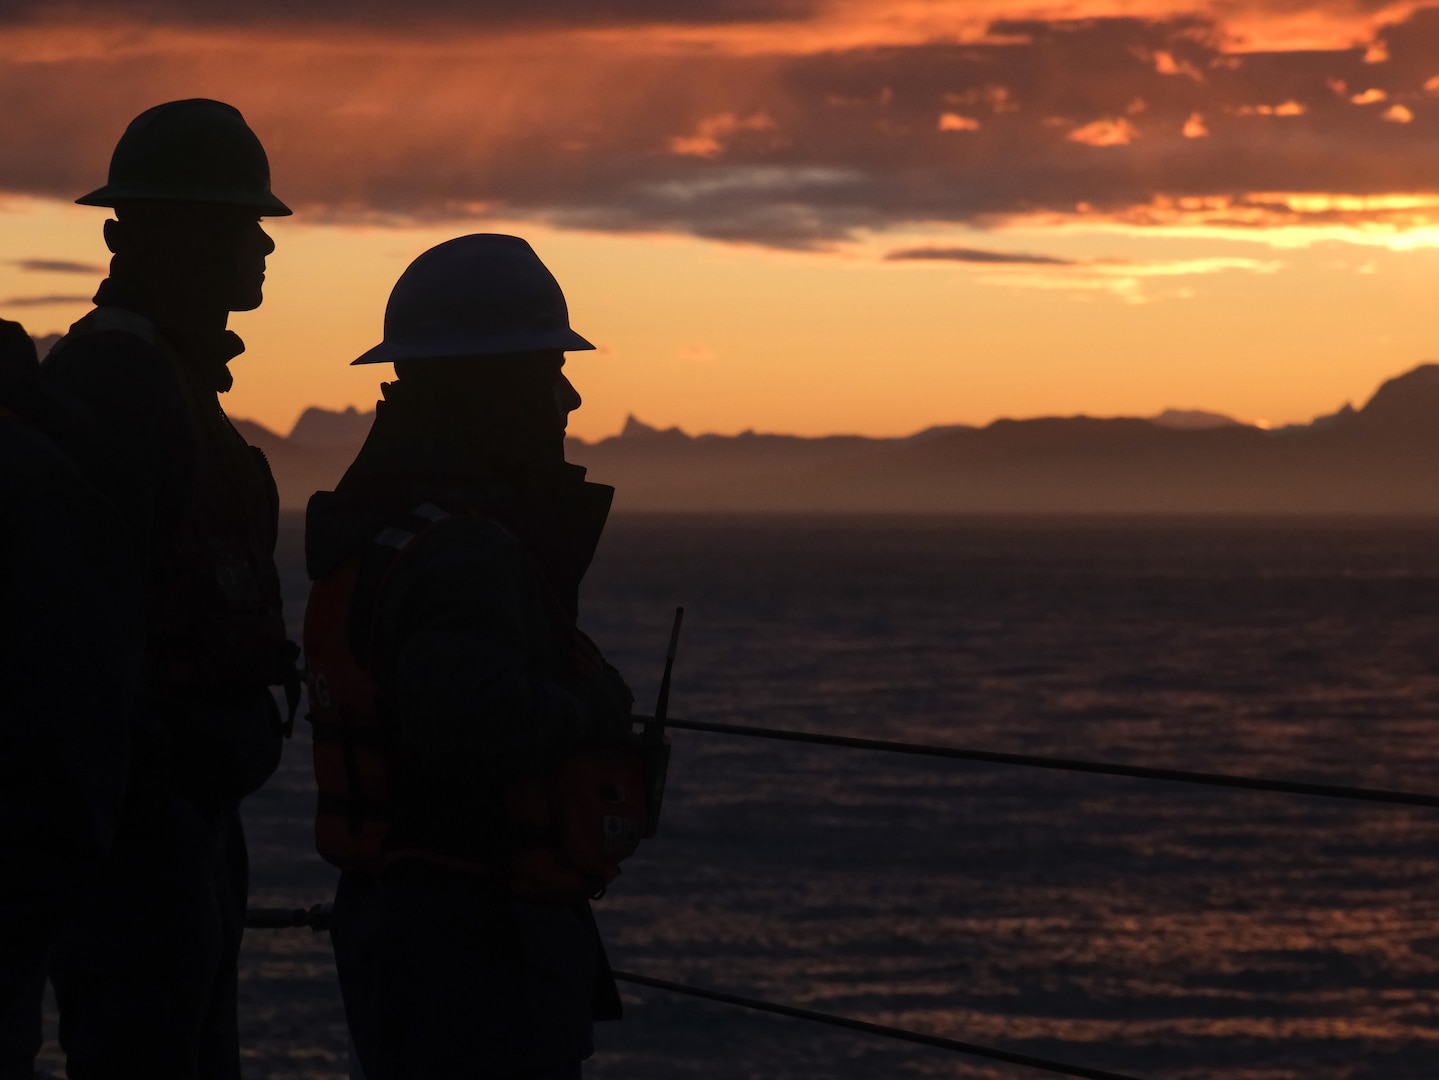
{"points": [[70, 643], [201, 512], [473, 634]]}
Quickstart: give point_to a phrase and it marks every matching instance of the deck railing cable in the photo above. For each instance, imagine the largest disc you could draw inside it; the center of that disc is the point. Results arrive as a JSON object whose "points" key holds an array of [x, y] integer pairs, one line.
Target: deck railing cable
{"points": [[1034, 761], [317, 917], [900, 1034]]}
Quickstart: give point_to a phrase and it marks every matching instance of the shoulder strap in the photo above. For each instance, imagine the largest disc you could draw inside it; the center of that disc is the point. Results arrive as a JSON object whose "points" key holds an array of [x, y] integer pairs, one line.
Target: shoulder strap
{"points": [[378, 563], [112, 320]]}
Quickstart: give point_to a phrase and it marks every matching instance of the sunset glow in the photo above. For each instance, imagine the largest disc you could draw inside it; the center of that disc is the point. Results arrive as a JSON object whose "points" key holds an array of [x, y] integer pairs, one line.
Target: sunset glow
{"points": [[810, 215]]}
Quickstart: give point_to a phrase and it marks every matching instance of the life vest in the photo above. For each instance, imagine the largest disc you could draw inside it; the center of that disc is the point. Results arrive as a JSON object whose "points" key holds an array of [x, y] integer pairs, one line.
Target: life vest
{"points": [[214, 618], [564, 833]]}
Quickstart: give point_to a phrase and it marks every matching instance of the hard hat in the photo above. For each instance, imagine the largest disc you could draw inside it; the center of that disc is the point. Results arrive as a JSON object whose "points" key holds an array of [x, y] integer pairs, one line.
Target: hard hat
{"points": [[475, 295], [195, 150]]}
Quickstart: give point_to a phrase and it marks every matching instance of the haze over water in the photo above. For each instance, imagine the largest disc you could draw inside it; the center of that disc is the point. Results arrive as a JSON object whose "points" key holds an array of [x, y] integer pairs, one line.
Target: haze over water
{"points": [[1153, 929]]}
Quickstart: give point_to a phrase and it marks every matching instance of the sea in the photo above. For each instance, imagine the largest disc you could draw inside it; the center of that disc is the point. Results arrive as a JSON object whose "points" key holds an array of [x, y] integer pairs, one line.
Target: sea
{"points": [[1148, 928]]}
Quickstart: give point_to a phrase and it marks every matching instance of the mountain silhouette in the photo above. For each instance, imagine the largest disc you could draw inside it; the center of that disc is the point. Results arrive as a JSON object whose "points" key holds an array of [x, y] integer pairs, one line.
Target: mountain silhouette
{"points": [[318, 428], [1407, 403], [1193, 419], [1381, 459]]}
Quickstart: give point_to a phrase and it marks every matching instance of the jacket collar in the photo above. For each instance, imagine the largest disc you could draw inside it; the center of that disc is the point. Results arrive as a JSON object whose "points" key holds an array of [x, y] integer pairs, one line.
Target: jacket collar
{"points": [[205, 351], [556, 514]]}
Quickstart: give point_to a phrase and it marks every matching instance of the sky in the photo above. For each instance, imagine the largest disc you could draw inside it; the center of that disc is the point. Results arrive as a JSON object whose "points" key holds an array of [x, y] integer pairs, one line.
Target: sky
{"points": [[805, 216]]}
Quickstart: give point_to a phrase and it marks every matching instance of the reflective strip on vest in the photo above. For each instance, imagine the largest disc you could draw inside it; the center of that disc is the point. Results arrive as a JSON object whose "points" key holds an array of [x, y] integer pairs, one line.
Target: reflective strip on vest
{"points": [[392, 537]]}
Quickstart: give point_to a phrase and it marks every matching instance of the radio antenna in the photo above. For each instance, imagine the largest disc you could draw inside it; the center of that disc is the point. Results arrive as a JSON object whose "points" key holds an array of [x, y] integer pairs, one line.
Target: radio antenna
{"points": [[663, 704], [657, 743]]}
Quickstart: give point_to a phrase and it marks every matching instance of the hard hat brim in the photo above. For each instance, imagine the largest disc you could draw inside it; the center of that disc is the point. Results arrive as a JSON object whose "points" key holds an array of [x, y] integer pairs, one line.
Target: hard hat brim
{"points": [[112, 195], [465, 344]]}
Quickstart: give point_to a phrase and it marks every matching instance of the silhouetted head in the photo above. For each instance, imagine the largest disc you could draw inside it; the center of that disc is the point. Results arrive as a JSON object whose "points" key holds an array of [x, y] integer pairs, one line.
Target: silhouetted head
{"points": [[189, 182], [196, 255], [19, 366], [478, 328], [23, 392], [513, 406]]}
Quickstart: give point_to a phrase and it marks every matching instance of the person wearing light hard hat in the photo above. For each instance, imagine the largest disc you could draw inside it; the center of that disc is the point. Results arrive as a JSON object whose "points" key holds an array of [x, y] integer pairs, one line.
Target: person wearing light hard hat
{"points": [[145, 974], [447, 674]]}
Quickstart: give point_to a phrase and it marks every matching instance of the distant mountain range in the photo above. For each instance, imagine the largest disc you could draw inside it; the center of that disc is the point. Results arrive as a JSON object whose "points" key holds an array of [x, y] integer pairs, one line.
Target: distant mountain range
{"points": [[1383, 458]]}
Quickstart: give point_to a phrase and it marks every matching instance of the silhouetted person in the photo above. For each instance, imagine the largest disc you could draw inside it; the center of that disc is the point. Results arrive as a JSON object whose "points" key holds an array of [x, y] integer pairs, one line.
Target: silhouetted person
{"points": [[451, 689], [145, 976], [70, 644]]}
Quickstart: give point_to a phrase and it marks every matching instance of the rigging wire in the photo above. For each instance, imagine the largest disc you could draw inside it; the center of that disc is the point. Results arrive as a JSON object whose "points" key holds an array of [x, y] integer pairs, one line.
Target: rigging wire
{"points": [[1138, 772], [900, 1034], [317, 917]]}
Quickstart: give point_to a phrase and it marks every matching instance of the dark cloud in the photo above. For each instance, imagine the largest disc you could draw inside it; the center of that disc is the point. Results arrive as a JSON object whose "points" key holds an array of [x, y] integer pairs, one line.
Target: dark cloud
{"points": [[41, 301], [975, 255], [482, 15], [414, 14], [1146, 120], [57, 266]]}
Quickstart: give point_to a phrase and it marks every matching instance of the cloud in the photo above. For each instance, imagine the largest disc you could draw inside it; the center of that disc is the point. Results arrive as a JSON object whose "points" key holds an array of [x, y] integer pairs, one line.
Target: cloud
{"points": [[1190, 267], [1131, 282], [41, 301], [1165, 64], [1107, 132], [954, 122], [713, 134], [995, 96], [426, 13], [57, 266], [1127, 280], [1284, 108], [974, 255], [753, 26], [779, 142]]}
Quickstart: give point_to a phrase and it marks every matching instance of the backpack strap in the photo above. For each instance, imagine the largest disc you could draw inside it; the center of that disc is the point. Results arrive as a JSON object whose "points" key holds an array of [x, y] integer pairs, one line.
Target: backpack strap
{"points": [[103, 320], [385, 553]]}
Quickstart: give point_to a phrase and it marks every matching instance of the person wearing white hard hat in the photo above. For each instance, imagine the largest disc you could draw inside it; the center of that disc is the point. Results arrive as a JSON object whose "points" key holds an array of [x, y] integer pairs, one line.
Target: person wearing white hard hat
{"points": [[465, 730]]}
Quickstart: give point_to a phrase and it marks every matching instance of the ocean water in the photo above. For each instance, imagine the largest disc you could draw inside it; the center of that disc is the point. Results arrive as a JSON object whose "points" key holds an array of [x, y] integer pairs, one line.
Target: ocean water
{"points": [[1148, 928]]}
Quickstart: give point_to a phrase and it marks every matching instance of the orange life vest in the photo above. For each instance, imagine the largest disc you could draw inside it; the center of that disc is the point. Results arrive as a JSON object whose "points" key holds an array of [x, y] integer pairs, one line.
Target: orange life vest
{"points": [[566, 830]]}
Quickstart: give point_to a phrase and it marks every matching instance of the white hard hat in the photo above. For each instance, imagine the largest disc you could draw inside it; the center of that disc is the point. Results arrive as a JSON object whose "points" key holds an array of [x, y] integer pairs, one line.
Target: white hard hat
{"points": [[475, 296]]}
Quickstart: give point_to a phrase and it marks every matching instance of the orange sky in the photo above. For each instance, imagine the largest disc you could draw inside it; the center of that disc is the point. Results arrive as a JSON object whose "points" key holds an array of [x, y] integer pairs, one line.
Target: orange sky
{"points": [[797, 215]]}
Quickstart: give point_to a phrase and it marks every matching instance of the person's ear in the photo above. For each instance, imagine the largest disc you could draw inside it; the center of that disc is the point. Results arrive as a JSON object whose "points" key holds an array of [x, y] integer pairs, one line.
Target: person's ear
{"points": [[115, 236]]}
